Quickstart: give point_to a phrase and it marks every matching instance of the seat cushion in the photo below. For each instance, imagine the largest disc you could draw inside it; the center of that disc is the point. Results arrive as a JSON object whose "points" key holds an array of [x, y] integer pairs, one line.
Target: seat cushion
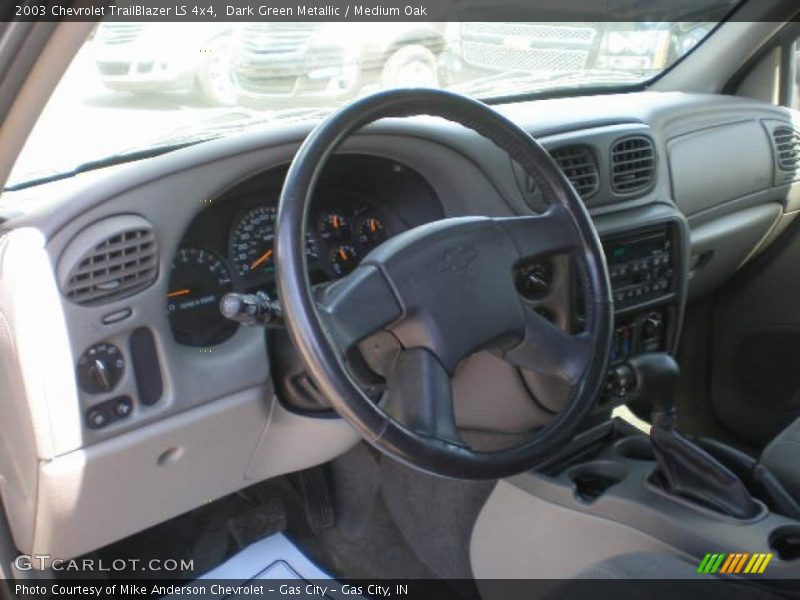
{"points": [[782, 457], [649, 576]]}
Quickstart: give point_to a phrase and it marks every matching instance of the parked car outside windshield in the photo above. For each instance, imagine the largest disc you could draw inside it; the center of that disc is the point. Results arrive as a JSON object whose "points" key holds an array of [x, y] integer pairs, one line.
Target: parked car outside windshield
{"points": [[141, 58], [138, 87], [324, 63]]}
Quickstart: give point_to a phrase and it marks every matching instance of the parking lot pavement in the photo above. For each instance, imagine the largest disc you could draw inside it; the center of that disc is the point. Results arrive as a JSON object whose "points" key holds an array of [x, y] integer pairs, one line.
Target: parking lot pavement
{"points": [[94, 122]]}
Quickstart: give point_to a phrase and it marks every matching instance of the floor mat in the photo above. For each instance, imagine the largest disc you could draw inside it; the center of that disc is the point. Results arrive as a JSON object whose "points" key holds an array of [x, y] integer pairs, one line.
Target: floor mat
{"points": [[273, 566], [274, 557]]}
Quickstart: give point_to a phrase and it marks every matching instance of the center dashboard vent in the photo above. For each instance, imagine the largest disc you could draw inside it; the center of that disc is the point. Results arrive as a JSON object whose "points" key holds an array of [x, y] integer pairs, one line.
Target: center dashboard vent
{"points": [[111, 259], [579, 166], [633, 164]]}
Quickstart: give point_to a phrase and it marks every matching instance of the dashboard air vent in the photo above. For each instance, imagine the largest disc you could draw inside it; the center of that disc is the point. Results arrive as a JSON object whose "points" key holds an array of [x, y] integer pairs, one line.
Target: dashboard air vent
{"points": [[109, 260], [787, 146], [579, 166], [633, 162]]}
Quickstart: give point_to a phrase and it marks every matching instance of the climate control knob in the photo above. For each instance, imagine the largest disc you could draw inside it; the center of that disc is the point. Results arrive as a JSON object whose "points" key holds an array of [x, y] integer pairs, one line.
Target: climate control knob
{"points": [[100, 368]]}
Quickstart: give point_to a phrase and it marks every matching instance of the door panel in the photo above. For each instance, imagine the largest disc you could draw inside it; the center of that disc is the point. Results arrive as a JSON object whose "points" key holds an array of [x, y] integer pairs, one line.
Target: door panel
{"points": [[755, 357]]}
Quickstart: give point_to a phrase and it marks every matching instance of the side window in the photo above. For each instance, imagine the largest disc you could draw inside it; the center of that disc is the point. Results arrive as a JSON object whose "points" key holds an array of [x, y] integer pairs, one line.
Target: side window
{"points": [[794, 75], [775, 76]]}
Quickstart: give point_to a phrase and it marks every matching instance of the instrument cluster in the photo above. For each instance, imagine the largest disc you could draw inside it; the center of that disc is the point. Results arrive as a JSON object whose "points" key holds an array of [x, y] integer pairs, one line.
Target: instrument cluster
{"points": [[335, 243], [340, 232]]}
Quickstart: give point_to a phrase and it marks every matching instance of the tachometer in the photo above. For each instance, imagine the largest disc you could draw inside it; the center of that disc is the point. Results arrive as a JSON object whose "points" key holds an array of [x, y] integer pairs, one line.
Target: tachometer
{"points": [[197, 283]]}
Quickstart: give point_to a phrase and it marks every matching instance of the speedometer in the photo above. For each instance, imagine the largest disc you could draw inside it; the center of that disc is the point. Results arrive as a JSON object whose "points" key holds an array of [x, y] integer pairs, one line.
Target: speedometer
{"points": [[251, 245], [251, 242]]}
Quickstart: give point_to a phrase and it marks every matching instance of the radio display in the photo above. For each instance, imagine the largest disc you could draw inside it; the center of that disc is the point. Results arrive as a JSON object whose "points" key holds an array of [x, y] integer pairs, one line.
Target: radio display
{"points": [[627, 250]]}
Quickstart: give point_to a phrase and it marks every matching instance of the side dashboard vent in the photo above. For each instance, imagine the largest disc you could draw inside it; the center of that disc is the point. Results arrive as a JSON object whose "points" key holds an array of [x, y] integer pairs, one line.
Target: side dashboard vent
{"points": [[633, 164], [111, 259], [787, 148], [579, 166]]}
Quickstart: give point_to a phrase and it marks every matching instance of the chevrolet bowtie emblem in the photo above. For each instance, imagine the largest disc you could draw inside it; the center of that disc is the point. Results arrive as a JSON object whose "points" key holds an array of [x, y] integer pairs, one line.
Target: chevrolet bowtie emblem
{"points": [[456, 259]]}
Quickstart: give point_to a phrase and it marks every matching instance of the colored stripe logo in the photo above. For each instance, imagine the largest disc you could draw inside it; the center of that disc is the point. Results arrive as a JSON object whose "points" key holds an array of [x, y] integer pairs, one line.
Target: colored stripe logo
{"points": [[735, 563]]}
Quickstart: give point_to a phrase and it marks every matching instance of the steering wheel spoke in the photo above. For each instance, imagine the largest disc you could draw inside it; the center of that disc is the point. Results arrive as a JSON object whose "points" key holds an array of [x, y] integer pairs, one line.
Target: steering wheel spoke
{"points": [[420, 396], [552, 232], [357, 306], [547, 349]]}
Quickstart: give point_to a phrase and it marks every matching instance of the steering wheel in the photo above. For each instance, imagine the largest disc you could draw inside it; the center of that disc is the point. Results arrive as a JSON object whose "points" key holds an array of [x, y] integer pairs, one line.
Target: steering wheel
{"points": [[445, 290]]}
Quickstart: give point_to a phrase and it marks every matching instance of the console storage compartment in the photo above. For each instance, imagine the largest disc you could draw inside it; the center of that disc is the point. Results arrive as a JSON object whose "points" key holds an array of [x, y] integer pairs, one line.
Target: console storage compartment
{"points": [[785, 541], [591, 480]]}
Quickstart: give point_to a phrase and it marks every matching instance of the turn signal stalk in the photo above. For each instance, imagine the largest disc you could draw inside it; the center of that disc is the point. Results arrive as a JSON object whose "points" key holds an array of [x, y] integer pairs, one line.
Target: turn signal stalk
{"points": [[252, 309]]}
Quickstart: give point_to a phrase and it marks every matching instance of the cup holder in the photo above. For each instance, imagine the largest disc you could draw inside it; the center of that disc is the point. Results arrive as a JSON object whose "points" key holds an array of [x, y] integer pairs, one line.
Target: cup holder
{"points": [[785, 542], [635, 447], [592, 480]]}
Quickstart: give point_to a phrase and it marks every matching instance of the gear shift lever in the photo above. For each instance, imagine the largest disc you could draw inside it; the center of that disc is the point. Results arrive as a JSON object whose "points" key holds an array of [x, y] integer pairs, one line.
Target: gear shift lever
{"points": [[685, 469]]}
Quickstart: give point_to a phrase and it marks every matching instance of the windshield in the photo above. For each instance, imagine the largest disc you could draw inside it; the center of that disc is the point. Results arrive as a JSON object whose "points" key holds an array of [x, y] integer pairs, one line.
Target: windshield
{"points": [[134, 88]]}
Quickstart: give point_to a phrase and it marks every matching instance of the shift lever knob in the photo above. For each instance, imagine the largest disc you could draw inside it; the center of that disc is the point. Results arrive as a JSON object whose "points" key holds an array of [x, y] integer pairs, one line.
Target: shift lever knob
{"points": [[656, 380], [685, 469]]}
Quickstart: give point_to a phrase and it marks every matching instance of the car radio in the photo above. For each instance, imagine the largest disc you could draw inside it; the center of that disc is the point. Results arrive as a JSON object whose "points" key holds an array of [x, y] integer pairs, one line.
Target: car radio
{"points": [[641, 266]]}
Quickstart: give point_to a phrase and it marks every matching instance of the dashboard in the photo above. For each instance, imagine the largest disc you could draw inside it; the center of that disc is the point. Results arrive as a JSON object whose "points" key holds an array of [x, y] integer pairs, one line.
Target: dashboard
{"points": [[229, 247], [125, 266]]}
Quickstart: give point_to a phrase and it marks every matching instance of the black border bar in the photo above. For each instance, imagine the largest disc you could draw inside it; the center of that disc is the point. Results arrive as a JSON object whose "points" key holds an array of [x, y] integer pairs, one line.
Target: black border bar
{"points": [[569, 11]]}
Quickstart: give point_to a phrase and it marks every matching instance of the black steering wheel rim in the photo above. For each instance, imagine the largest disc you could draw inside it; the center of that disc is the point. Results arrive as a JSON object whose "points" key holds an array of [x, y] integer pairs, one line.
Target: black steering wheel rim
{"points": [[314, 341]]}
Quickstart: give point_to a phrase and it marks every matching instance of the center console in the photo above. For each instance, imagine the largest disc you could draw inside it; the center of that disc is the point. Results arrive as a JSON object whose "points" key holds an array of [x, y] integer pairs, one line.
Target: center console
{"points": [[597, 496], [645, 270]]}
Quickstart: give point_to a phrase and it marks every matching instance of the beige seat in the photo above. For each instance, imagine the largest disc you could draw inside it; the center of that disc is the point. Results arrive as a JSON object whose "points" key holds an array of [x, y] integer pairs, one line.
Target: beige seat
{"points": [[643, 576]]}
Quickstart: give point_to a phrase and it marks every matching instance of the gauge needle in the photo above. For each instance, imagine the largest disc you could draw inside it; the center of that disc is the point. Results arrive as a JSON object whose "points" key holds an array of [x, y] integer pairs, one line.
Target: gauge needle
{"points": [[177, 293], [261, 260], [372, 225], [342, 254]]}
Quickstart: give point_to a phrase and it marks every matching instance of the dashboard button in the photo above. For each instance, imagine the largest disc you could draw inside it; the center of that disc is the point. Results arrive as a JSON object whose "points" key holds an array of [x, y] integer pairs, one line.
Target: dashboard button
{"points": [[117, 316], [97, 417], [123, 406]]}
